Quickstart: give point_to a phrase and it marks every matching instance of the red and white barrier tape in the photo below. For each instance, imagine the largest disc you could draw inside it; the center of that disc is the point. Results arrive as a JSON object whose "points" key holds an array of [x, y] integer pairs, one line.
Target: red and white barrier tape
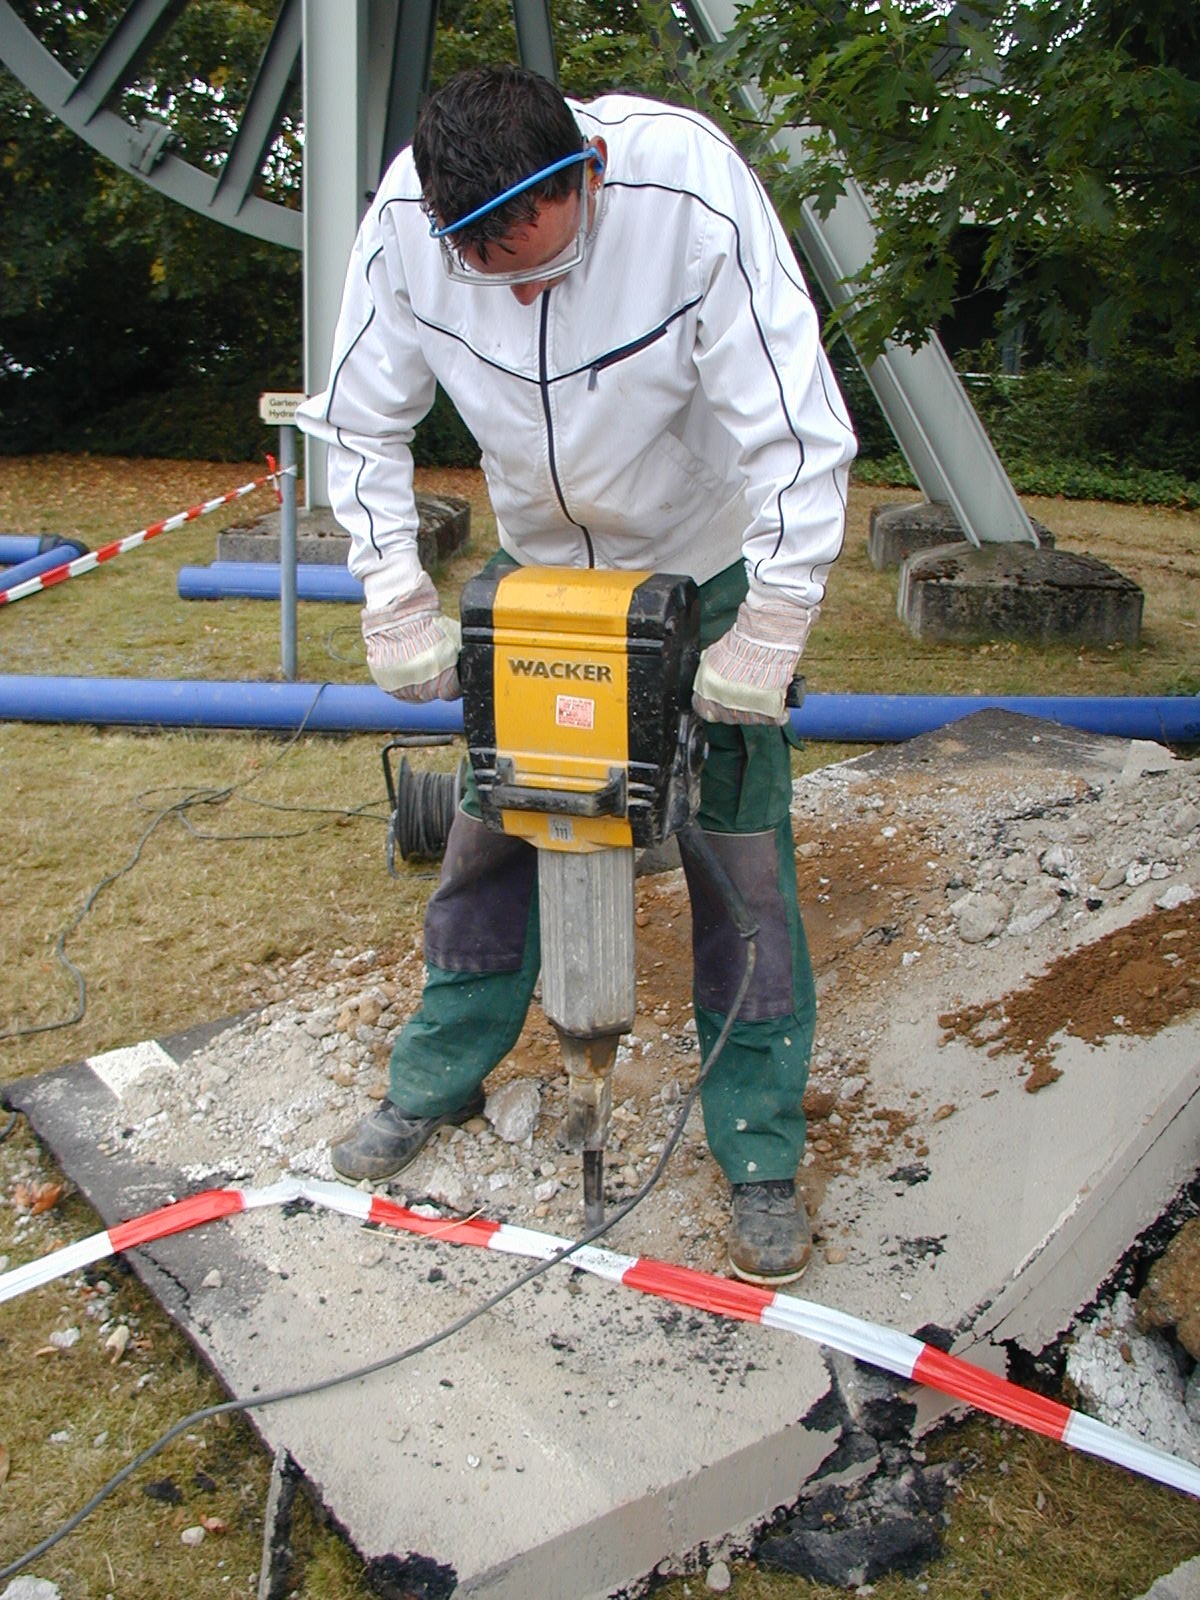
{"points": [[899, 1353], [93, 558]]}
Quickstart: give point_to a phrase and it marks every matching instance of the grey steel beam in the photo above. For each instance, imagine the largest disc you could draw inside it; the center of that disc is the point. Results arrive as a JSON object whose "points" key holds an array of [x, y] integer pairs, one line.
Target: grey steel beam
{"points": [[412, 58], [268, 100], [143, 151], [365, 68], [336, 182], [535, 37], [117, 61], [919, 392]]}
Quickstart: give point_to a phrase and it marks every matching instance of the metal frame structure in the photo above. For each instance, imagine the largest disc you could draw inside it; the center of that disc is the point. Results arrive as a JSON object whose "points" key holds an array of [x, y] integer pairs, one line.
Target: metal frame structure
{"points": [[145, 150], [390, 42], [362, 67]]}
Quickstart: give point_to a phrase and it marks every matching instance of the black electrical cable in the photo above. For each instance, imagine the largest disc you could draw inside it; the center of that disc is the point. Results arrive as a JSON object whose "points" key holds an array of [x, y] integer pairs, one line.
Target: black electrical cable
{"points": [[355, 659], [692, 839], [334, 813], [178, 808]]}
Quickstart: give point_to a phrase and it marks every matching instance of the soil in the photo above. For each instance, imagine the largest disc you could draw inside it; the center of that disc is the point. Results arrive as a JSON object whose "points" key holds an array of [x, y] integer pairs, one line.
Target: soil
{"points": [[1133, 981]]}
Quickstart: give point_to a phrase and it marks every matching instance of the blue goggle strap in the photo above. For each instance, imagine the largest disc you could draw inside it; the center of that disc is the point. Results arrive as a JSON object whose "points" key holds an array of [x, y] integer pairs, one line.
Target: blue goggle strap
{"points": [[588, 153]]}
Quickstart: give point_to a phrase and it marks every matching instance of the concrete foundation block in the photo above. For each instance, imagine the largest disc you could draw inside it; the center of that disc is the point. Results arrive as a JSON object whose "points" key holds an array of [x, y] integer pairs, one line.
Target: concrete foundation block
{"points": [[957, 593], [899, 531], [444, 530]]}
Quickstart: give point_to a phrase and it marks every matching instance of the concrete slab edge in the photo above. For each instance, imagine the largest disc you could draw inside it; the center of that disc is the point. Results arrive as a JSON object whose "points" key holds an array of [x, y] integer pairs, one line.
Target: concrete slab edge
{"points": [[1127, 1199], [725, 1508], [1181, 1584]]}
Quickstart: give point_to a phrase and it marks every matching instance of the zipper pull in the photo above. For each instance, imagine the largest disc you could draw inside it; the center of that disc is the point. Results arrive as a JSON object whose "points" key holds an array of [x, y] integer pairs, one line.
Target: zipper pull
{"points": [[593, 379]]}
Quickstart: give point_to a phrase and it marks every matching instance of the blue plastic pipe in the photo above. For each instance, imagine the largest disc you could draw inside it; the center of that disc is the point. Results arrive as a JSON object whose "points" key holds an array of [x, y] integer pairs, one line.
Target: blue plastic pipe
{"points": [[199, 703], [57, 556], [260, 580], [16, 547], [883, 718], [350, 708]]}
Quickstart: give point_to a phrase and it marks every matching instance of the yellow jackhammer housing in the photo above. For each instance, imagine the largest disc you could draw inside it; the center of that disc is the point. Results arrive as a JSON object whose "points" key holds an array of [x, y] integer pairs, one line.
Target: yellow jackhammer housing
{"points": [[577, 712]]}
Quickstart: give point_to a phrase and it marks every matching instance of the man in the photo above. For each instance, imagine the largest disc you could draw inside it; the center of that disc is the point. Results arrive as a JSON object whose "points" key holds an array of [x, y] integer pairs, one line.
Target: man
{"points": [[607, 296]]}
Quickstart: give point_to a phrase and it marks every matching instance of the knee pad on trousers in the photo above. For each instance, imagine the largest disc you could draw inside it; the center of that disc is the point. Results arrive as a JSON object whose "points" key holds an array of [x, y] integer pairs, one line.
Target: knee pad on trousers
{"points": [[478, 918], [718, 950]]}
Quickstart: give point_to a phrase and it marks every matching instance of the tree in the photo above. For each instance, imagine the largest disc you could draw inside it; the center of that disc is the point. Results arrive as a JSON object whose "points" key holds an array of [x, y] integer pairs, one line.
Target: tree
{"points": [[638, 45], [1068, 132], [113, 298]]}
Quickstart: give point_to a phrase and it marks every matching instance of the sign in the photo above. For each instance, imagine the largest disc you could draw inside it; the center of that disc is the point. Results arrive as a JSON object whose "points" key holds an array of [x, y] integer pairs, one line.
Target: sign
{"points": [[278, 407]]}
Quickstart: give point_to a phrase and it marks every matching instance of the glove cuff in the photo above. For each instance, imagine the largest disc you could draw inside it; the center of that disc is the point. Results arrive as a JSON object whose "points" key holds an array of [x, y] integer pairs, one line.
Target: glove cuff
{"points": [[396, 573], [744, 675], [422, 600], [771, 618]]}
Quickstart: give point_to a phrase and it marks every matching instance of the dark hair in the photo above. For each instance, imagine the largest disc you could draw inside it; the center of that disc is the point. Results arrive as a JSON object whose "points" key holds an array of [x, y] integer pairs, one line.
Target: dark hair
{"points": [[483, 131]]}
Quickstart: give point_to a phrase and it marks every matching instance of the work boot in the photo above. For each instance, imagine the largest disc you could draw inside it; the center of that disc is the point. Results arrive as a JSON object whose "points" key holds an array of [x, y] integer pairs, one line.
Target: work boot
{"points": [[386, 1141], [769, 1238]]}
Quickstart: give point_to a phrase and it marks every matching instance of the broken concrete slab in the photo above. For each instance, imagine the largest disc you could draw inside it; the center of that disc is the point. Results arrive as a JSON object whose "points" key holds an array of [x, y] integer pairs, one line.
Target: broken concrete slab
{"points": [[575, 1429], [444, 530], [961, 593], [578, 1428], [898, 531]]}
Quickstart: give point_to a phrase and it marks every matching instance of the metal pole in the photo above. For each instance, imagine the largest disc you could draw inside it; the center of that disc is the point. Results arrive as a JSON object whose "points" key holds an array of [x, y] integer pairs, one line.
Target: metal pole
{"points": [[287, 549], [336, 83], [535, 37]]}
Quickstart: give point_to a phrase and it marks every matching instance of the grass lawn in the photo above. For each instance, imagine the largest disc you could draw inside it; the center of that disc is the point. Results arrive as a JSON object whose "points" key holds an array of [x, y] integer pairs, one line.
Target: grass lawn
{"points": [[156, 880]]}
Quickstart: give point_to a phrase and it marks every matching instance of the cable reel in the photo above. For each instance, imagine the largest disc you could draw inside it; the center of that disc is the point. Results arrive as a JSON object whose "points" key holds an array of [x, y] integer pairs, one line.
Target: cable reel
{"points": [[422, 806]]}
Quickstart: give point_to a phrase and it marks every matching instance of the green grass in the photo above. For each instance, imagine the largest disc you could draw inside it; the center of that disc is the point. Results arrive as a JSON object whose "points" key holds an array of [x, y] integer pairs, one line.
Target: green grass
{"points": [[208, 862]]}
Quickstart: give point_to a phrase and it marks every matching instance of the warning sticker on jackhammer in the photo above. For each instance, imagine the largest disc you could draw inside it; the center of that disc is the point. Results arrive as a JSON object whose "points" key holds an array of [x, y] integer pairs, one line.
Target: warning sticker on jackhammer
{"points": [[571, 711]]}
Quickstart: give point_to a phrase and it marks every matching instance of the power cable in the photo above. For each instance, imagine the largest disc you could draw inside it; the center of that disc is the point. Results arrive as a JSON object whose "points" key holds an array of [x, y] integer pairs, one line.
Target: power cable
{"points": [[179, 808], [691, 838], [353, 660]]}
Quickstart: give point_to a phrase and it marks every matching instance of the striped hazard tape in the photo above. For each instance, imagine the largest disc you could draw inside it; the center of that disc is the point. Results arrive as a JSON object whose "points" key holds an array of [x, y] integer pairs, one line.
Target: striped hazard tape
{"points": [[93, 558], [899, 1353]]}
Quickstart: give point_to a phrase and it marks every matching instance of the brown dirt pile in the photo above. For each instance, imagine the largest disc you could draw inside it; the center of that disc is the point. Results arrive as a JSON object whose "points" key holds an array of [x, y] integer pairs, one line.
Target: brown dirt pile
{"points": [[1137, 980]]}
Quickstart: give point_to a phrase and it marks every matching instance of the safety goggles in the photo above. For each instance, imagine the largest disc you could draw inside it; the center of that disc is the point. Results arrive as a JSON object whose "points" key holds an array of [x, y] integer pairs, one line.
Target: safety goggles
{"points": [[546, 271]]}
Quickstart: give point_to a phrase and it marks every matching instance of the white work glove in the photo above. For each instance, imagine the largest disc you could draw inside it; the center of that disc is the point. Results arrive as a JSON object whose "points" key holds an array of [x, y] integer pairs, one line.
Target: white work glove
{"points": [[744, 675], [412, 649]]}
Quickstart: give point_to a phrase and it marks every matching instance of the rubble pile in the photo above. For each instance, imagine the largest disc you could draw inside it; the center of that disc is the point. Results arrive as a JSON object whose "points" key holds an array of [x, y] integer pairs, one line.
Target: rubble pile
{"points": [[987, 879]]}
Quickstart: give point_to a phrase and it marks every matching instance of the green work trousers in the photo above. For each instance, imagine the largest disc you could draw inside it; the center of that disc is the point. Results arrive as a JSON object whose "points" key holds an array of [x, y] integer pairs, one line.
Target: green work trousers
{"points": [[483, 951]]}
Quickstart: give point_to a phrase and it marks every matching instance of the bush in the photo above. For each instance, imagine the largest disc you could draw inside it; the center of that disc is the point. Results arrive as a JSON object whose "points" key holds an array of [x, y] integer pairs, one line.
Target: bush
{"points": [[1082, 480], [1137, 415], [207, 421], [1072, 480], [214, 419], [1121, 433]]}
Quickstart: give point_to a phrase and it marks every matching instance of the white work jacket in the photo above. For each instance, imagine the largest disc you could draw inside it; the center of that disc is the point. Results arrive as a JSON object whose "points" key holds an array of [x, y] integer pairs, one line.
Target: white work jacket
{"points": [[667, 405]]}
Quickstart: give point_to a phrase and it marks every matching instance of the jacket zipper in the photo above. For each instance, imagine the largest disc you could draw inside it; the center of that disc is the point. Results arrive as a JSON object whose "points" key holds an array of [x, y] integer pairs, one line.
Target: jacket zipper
{"points": [[544, 386]]}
